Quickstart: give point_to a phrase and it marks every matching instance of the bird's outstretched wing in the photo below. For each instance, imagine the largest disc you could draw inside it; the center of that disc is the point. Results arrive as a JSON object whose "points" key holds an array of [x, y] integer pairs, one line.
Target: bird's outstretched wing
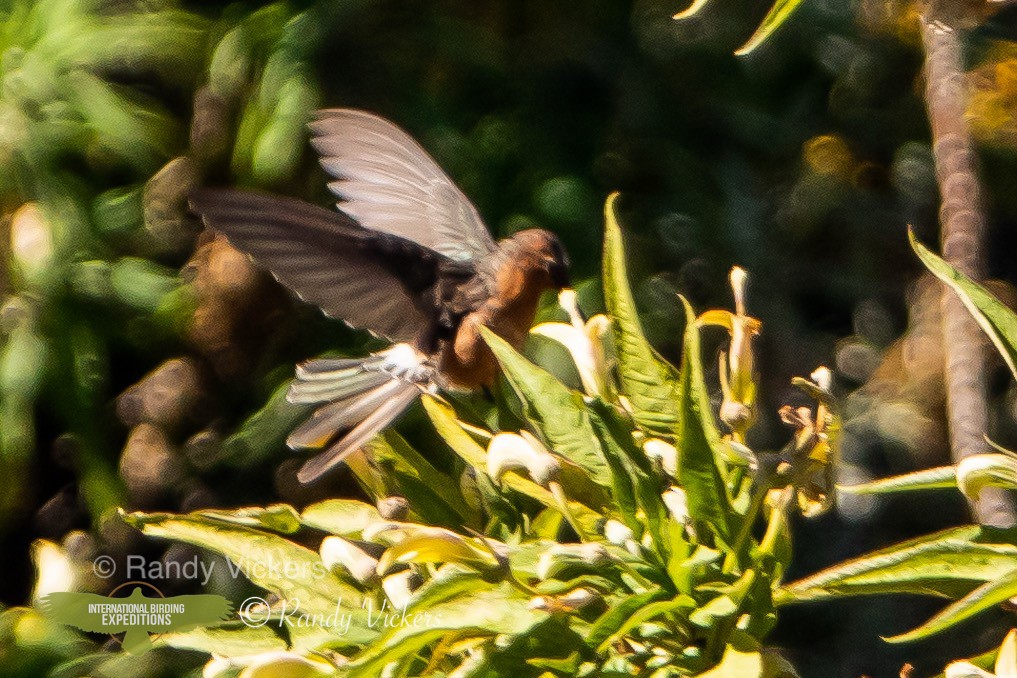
{"points": [[387, 181], [372, 280], [71, 608]]}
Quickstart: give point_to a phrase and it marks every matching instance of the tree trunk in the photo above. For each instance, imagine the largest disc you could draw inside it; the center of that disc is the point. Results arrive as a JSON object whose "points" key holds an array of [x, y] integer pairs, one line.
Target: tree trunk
{"points": [[962, 223]]}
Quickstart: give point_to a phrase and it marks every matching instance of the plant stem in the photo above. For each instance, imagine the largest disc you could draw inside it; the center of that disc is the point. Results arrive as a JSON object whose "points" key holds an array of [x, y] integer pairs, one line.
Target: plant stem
{"points": [[563, 507], [963, 242]]}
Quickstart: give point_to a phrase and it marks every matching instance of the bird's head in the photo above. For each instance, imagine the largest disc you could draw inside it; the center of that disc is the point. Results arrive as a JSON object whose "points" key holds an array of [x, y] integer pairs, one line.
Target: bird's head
{"points": [[547, 254]]}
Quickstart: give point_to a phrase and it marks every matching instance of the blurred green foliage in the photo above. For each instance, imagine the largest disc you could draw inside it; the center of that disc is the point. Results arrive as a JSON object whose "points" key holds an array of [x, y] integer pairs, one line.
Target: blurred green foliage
{"points": [[134, 349]]}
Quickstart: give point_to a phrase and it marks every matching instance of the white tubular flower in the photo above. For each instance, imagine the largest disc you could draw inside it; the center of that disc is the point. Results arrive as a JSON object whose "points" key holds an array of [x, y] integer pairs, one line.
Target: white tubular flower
{"points": [[984, 470], [514, 452], [737, 366], [620, 534], [560, 556], [677, 503], [399, 587], [585, 341], [664, 452], [1006, 659], [966, 670], [617, 532], [338, 552]]}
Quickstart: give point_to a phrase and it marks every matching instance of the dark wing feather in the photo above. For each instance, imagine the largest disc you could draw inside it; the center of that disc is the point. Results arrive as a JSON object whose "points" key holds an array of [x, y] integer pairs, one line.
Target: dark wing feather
{"points": [[387, 182], [371, 280]]}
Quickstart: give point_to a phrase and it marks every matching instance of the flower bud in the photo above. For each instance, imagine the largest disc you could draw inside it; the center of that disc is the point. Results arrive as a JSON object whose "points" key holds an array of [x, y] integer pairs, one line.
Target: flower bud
{"points": [[393, 508], [664, 452], [399, 587], [677, 503], [576, 599], [514, 452], [560, 557], [336, 551]]}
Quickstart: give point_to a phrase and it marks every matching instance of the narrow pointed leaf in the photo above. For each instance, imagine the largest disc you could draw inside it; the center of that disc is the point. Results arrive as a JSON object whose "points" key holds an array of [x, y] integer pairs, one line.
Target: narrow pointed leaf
{"points": [[700, 444], [556, 412], [448, 427], [290, 571], [778, 14], [648, 381], [986, 596], [929, 479], [949, 563], [998, 321], [343, 517]]}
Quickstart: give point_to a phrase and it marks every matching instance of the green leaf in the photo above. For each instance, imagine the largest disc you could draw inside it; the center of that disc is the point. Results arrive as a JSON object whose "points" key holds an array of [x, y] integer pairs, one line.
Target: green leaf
{"points": [[645, 613], [949, 563], [929, 479], [448, 427], [429, 492], [140, 134], [277, 517], [737, 664], [778, 14], [344, 517], [264, 433], [232, 639], [998, 321], [637, 487], [501, 610], [425, 544], [988, 595], [292, 572], [700, 447], [648, 381], [608, 624], [556, 412]]}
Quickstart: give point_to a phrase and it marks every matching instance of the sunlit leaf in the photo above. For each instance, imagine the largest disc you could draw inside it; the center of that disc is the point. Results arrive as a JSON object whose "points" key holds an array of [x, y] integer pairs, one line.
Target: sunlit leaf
{"points": [[445, 422], [737, 664], [650, 610], [700, 443], [778, 14], [344, 517], [500, 610], [290, 571], [949, 563], [998, 321], [556, 412], [277, 517], [648, 381], [986, 596], [230, 639], [929, 479]]}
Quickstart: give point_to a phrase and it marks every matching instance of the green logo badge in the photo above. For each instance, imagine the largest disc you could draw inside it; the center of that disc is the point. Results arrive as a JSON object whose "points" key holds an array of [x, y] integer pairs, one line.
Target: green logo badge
{"points": [[135, 616]]}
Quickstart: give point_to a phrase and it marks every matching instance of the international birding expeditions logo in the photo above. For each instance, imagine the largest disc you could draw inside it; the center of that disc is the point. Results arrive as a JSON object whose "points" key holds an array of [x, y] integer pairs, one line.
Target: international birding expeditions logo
{"points": [[136, 615]]}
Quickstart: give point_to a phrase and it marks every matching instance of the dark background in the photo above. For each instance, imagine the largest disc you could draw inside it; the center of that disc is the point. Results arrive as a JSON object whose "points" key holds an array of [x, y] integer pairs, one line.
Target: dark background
{"points": [[803, 162]]}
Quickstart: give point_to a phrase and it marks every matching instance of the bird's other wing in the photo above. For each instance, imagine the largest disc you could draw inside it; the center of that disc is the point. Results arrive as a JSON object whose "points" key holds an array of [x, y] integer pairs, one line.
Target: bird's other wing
{"points": [[371, 280], [387, 181], [71, 608], [204, 610]]}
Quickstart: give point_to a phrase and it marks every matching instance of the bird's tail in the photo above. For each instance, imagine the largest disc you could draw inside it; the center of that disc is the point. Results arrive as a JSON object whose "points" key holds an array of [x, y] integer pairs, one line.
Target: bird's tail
{"points": [[358, 396]]}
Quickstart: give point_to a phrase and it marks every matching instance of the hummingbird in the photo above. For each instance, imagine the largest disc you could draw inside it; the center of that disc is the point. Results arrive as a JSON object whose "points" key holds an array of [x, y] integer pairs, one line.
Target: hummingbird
{"points": [[406, 257]]}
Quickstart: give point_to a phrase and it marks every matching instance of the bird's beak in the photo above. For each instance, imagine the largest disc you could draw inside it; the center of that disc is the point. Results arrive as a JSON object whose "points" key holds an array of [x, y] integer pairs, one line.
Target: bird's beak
{"points": [[559, 273]]}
